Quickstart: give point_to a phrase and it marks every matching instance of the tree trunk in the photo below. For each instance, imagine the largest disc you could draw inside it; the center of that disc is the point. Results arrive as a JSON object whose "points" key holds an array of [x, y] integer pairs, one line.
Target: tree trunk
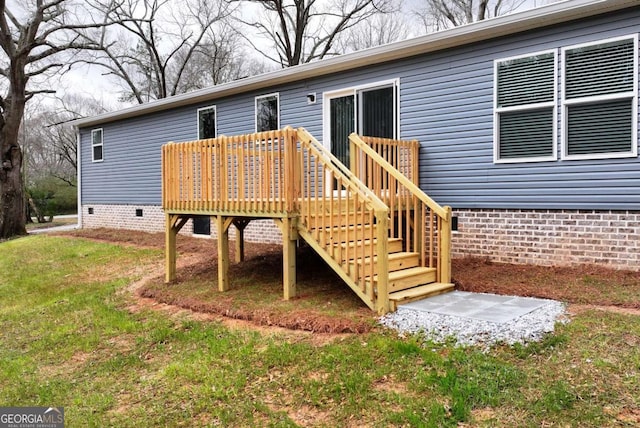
{"points": [[36, 211], [27, 214], [12, 219]]}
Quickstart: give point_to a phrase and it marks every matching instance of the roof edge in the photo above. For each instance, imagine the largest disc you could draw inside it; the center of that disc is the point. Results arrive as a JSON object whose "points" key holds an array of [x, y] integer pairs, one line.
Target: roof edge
{"points": [[500, 26]]}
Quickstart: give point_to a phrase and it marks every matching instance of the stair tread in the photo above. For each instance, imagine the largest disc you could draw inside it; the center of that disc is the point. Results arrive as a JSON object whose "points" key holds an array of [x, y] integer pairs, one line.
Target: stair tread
{"points": [[406, 273], [344, 227], [366, 241], [421, 290], [392, 256]]}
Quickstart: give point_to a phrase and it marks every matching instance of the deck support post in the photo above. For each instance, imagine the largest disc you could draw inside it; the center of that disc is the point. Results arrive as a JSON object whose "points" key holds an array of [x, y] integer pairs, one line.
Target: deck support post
{"points": [[240, 225], [289, 236], [222, 224], [444, 250], [382, 269], [173, 224]]}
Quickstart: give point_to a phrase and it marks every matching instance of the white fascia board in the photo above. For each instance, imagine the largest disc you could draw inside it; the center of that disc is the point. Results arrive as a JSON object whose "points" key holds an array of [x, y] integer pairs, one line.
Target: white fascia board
{"points": [[551, 14]]}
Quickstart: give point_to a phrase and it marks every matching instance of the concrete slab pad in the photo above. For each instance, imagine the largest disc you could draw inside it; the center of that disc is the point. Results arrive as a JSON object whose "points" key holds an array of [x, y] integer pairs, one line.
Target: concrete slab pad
{"points": [[478, 306]]}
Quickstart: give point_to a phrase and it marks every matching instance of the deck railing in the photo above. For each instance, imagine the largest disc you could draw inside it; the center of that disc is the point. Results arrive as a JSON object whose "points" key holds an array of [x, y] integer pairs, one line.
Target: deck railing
{"points": [[422, 223], [347, 214], [403, 155], [344, 219], [240, 174]]}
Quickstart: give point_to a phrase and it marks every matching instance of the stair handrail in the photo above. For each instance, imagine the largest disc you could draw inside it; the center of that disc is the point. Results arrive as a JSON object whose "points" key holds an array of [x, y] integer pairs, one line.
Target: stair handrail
{"points": [[331, 161], [380, 211], [402, 179], [443, 212]]}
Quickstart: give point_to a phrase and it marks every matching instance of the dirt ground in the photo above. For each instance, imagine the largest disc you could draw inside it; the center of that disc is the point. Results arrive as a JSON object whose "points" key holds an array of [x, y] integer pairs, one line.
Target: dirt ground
{"points": [[583, 286]]}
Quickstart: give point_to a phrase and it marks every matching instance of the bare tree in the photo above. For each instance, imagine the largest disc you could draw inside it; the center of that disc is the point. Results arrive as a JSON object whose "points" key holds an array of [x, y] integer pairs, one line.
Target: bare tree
{"points": [[301, 31], [159, 44], [35, 35], [379, 30], [218, 59], [49, 142], [41, 143], [441, 14], [42, 163]]}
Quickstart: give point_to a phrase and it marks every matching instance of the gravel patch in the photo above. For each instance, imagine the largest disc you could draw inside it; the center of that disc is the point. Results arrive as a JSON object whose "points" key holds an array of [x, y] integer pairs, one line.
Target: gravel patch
{"points": [[439, 328]]}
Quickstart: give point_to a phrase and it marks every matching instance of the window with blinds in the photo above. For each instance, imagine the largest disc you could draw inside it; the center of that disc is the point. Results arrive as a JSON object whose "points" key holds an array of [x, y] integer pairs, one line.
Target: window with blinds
{"points": [[600, 99], [525, 108]]}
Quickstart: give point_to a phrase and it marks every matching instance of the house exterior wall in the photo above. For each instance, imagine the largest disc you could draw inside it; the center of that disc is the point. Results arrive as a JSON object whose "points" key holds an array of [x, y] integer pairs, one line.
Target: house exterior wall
{"points": [[446, 103]]}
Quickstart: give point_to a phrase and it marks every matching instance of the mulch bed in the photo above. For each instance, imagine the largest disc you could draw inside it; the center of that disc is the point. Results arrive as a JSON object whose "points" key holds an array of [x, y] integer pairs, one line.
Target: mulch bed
{"points": [[583, 284]]}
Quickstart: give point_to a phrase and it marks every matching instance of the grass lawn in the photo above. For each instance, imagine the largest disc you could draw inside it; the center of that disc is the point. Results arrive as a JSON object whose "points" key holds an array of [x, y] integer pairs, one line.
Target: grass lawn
{"points": [[69, 338]]}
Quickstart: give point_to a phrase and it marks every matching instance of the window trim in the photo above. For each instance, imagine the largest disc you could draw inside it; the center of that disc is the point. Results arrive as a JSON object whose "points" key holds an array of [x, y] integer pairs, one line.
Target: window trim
{"points": [[93, 131], [255, 112], [215, 116], [497, 111], [632, 95]]}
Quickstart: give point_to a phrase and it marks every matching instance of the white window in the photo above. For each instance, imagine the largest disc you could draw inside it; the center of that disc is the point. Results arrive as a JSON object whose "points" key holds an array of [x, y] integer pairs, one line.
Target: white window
{"points": [[207, 123], [525, 108], [599, 99], [268, 112], [97, 154]]}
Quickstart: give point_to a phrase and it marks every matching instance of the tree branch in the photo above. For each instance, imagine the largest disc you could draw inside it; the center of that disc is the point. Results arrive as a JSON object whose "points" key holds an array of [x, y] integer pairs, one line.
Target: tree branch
{"points": [[44, 69], [6, 40], [31, 94], [64, 179]]}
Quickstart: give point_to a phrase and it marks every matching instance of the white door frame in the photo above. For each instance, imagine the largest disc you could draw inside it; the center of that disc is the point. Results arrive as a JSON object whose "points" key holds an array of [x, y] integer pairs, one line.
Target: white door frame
{"points": [[353, 90]]}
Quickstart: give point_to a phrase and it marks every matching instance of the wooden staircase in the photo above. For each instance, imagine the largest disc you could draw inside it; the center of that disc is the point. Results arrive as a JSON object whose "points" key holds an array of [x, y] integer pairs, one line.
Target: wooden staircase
{"points": [[369, 221], [407, 280]]}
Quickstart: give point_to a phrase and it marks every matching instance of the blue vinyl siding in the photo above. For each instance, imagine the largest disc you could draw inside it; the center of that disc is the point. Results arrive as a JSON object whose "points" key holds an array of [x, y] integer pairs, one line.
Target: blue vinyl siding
{"points": [[446, 102]]}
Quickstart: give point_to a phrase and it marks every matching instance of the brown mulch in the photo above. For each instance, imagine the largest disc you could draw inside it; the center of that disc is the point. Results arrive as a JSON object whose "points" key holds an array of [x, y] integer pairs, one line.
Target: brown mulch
{"points": [[581, 284], [591, 285], [308, 320], [185, 244], [263, 266]]}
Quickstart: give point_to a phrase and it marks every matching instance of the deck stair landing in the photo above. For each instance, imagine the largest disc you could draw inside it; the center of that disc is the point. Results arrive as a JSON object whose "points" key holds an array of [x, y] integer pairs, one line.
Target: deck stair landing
{"points": [[369, 221]]}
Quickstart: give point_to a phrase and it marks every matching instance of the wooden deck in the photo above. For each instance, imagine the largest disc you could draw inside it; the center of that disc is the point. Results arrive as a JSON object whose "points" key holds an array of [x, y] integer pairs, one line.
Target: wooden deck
{"points": [[370, 222]]}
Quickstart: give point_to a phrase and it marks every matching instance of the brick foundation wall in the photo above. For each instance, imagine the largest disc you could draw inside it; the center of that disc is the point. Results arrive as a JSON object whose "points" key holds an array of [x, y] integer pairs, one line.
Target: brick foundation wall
{"points": [[124, 217], [542, 237], [550, 237], [265, 231], [152, 220]]}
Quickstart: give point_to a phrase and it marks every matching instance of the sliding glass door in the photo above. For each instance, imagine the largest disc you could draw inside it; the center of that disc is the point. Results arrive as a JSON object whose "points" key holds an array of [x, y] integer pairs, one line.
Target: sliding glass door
{"points": [[370, 111], [377, 112], [342, 115]]}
